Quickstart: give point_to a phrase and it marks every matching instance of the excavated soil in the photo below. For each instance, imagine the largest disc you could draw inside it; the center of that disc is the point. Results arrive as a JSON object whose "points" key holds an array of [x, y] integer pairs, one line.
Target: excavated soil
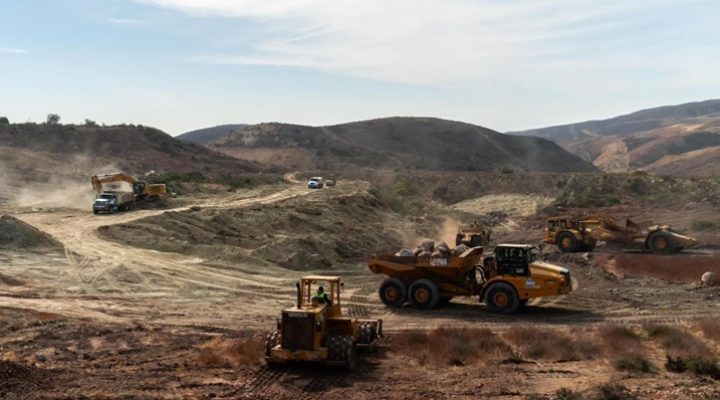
{"points": [[16, 234], [113, 314], [331, 227]]}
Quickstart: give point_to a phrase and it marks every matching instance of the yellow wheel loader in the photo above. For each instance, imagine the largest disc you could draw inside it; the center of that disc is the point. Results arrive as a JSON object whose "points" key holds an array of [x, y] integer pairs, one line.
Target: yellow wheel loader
{"points": [[316, 331]]}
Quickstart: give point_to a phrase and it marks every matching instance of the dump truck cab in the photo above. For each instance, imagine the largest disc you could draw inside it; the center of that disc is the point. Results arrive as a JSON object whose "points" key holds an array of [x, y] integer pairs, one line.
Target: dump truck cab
{"points": [[315, 331], [513, 275]]}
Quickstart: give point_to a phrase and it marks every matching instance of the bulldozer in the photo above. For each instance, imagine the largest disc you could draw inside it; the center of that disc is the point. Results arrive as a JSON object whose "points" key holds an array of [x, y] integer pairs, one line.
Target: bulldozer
{"points": [[473, 235], [582, 234], [505, 279], [142, 190], [313, 331]]}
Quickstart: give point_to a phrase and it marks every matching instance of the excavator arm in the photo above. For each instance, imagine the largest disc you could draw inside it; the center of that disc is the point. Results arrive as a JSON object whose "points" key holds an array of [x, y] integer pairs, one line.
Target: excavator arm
{"points": [[99, 180]]}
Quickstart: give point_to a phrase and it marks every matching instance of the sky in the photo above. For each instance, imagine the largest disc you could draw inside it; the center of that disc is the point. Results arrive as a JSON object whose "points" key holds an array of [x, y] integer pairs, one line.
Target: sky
{"points": [[180, 65]]}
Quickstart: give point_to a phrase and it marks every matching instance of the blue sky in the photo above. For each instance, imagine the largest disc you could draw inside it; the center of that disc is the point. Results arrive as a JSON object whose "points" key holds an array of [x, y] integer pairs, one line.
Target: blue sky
{"points": [[505, 64]]}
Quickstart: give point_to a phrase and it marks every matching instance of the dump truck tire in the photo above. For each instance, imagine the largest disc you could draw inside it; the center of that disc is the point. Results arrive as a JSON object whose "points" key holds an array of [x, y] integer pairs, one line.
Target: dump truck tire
{"points": [[393, 292], [567, 243], [662, 243], [502, 298], [424, 294], [272, 340], [368, 333]]}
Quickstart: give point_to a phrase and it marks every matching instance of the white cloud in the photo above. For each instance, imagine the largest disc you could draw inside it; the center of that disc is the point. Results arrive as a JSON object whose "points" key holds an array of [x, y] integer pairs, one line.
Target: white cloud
{"points": [[450, 43], [11, 50]]}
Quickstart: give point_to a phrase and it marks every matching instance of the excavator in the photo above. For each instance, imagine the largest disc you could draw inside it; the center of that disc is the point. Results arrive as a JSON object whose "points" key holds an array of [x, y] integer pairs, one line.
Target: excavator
{"points": [[142, 190]]}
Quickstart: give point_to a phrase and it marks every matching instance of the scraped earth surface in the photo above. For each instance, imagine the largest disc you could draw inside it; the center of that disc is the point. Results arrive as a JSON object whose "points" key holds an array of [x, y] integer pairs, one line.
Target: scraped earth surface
{"points": [[117, 313]]}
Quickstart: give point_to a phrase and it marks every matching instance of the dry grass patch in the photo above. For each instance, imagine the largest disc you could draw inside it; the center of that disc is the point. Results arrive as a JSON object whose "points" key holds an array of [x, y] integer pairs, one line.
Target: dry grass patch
{"points": [[445, 346], [709, 327], [536, 343], [226, 353], [676, 341]]}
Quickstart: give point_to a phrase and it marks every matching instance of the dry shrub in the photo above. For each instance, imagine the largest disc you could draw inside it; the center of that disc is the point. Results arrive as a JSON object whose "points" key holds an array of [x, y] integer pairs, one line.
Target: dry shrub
{"points": [[567, 394], [620, 340], [445, 346], [710, 328], [633, 362], [613, 391], [676, 341], [225, 353], [544, 344], [697, 364]]}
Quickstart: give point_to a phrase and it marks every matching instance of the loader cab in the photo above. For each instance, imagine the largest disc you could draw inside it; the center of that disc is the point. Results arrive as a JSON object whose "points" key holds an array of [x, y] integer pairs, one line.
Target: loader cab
{"points": [[514, 259], [308, 286]]}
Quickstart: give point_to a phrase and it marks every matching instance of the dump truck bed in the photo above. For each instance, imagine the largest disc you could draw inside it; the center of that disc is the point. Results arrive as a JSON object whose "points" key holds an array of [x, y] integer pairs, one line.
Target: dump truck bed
{"points": [[408, 269]]}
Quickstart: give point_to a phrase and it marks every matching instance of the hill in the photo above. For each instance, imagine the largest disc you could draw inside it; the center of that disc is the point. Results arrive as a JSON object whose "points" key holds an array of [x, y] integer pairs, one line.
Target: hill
{"points": [[416, 143], [206, 135], [664, 140], [40, 152]]}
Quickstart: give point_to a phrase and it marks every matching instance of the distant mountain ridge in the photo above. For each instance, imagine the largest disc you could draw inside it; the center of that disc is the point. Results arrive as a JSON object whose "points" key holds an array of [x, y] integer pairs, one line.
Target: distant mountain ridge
{"points": [[44, 151], [206, 135], [664, 140], [396, 142]]}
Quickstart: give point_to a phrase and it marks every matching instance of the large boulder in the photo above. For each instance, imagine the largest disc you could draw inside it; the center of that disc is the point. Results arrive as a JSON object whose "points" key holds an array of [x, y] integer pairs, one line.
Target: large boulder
{"points": [[710, 278]]}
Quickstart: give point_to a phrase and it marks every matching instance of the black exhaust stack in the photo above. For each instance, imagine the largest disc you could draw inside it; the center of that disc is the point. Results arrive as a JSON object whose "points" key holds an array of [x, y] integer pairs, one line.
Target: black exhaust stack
{"points": [[299, 295]]}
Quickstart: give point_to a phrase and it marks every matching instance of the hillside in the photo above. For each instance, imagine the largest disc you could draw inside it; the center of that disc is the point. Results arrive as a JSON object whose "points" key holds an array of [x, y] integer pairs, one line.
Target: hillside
{"points": [[42, 152], [206, 135], [416, 143], [664, 140]]}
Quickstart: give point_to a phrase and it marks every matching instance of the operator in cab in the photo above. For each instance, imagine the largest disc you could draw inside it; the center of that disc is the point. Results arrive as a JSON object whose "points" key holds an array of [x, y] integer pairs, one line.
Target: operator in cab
{"points": [[321, 297]]}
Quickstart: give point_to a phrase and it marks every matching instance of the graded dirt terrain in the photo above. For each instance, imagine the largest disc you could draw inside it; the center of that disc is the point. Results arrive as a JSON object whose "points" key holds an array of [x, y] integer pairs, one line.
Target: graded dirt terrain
{"points": [[116, 312]]}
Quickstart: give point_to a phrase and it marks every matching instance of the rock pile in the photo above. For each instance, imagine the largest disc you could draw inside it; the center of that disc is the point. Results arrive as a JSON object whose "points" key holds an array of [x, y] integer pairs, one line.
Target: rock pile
{"points": [[428, 248]]}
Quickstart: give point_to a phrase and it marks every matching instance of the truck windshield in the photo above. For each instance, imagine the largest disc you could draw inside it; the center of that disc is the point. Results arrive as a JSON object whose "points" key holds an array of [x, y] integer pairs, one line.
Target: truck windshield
{"points": [[107, 196]]}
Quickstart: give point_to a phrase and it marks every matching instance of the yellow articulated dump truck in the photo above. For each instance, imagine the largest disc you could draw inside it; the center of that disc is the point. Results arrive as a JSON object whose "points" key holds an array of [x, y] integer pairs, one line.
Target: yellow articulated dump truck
{"points": [[581, 234], [505, 279], [315, 329]]}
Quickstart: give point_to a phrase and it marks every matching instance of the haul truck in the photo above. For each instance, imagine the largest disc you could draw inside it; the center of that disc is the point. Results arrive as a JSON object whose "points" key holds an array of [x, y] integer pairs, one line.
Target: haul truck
{"points": [[505, 279]]}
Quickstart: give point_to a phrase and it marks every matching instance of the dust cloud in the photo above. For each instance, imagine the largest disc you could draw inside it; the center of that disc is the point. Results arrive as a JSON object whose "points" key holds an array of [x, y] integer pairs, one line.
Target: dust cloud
{"points": [[57, 192]]}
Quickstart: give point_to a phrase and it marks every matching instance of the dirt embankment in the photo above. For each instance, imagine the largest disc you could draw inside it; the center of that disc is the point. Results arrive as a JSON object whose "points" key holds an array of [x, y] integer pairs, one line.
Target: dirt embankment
{"points": [[327, 228], [17, 235]]}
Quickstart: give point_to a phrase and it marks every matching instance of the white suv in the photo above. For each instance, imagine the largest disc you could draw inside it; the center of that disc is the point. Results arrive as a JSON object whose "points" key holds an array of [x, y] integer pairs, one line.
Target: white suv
{"points": [[316, 183]]}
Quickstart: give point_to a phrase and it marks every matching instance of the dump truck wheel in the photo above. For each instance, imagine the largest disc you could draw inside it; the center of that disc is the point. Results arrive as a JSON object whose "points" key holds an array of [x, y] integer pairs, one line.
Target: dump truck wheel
{"points": [[567, 243], [368, 333], [662, 242], [272, 340], [424, 294], [501, 298], [393, 292]]}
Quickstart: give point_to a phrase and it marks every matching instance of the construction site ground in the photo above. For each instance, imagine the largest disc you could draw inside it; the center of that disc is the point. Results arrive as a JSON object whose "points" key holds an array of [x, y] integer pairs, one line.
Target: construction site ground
{"points": [[111, 316]]}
